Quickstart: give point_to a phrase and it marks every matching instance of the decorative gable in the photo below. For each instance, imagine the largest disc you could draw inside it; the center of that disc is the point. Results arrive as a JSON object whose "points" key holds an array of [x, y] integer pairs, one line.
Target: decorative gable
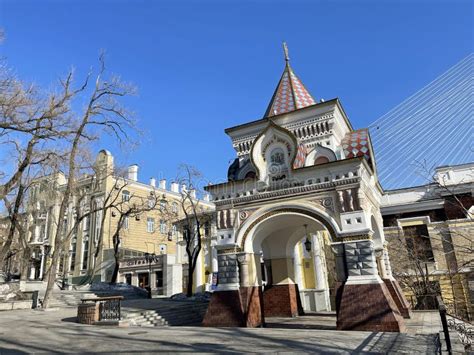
{"points": [[273, 153]]}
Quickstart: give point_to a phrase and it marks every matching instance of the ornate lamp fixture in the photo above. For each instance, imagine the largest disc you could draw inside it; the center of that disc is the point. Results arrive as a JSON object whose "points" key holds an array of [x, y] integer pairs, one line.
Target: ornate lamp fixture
{"points": [[307, 243]]}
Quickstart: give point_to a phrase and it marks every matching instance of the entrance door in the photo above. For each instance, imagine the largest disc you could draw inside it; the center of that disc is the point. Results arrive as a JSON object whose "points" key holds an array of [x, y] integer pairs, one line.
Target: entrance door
{"points": [[159, 281], [143, 280]]}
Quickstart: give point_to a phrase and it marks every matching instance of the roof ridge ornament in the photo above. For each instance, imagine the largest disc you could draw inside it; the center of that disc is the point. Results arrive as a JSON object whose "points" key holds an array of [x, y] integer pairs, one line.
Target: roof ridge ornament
{"points": [[285, 51]]}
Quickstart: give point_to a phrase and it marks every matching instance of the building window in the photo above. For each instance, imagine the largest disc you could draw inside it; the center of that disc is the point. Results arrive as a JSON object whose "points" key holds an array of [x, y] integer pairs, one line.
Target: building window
{"points": [[174, 207], [162, 205], [85, 223], [321, 160], [150, 225], [174, 229], [151, 202], [98, 222], [125, 223], [72, 263], [418, 243], [162, 226], [125, 196], [85, 255], [159, 279], [65, 227]]}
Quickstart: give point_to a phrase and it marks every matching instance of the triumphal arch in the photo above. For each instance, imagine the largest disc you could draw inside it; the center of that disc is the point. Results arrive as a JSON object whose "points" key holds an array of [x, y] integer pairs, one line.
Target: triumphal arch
{"points": [[298, 221]]}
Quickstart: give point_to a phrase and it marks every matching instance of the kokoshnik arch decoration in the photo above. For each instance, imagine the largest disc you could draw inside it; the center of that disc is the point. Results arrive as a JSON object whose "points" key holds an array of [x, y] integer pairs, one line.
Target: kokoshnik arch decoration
{"points": [[302, 164]]}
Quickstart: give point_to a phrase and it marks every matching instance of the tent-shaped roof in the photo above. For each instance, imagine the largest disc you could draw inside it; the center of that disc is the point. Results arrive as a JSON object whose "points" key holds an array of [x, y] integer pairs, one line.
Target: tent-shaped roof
{"points": [[290, 93]]}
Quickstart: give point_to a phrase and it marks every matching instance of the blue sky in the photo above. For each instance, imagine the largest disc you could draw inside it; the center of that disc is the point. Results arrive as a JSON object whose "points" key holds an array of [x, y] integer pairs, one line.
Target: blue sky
{"points": [[203, 66]]}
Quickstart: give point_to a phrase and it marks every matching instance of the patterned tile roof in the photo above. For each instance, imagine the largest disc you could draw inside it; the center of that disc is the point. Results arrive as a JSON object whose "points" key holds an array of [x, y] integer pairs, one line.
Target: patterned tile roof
{"points": [[290, 93], [300, 156], [356, 144]]}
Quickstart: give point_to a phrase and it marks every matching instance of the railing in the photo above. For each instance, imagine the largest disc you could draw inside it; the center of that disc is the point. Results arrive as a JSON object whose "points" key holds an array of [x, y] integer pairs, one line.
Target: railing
{"points": [[444, 323], [462, 327], [457, 311], [465, 331], [109, 307]]}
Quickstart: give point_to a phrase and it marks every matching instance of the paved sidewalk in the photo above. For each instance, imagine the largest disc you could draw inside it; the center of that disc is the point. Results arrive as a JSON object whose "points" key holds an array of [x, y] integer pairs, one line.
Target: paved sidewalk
{"points": [[424, 322], [31, 331]]}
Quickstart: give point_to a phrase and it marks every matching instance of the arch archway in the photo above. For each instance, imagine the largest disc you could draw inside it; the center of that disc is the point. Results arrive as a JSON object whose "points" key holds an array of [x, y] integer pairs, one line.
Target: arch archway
{"points": [[320, 155], [293, 279], [247, 230], [259, 279]]}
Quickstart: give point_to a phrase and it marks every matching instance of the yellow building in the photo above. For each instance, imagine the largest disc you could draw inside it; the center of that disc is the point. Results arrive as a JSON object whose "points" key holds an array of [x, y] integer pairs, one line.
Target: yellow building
{"points": [[98, 211]]}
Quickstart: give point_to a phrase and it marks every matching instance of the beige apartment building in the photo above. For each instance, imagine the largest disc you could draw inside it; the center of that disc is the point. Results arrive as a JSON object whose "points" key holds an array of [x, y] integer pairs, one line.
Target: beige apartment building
{"points": [[148, 240], [430, 234]]}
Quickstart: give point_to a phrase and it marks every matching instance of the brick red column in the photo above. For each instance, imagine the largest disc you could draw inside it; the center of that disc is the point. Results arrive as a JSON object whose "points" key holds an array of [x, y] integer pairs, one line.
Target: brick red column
{"points": [[363, 300], [280, 301], [224, 310], [368, 307], [252, 301], [399, 298], [395, 290]]}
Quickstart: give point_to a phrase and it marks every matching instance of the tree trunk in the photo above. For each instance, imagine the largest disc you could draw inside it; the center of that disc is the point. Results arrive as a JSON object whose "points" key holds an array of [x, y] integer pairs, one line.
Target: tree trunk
{"points": [[13, 226], [51, 280], [189, 287], [113, 280], [116, 241], [24, 263]]}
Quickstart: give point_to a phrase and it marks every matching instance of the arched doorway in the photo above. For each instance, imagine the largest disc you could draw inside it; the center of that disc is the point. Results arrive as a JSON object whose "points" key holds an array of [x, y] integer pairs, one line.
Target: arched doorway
{"points": [[258, 277], [289, 253]]}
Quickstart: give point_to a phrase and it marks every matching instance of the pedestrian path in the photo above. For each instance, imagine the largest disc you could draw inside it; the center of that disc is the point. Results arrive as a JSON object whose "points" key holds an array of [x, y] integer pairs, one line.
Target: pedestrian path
{"points": [[56, 331]]}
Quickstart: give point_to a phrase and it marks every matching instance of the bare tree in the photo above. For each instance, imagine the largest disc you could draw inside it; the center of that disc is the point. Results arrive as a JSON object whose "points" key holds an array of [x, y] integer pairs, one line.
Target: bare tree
{"points": [[31, 124], [190, 216], [102, 112]]}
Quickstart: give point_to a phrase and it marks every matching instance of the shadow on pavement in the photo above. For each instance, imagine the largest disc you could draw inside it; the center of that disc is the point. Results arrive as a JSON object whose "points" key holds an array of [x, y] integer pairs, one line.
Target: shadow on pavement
{"points": [[69, 320]]}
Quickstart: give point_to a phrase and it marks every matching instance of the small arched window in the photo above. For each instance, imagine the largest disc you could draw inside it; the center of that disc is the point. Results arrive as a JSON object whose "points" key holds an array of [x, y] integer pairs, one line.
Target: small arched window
{"points": [[250, 175], [321, 160], [125, 195]]}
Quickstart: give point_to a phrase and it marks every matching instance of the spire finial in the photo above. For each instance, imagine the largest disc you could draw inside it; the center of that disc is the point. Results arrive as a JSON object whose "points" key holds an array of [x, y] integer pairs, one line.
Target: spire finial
{"points": [[285, 50]]}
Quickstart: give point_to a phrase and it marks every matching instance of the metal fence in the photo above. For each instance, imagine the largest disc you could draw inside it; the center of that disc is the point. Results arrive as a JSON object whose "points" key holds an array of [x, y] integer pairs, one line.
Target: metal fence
{"points": [[463, 328]]}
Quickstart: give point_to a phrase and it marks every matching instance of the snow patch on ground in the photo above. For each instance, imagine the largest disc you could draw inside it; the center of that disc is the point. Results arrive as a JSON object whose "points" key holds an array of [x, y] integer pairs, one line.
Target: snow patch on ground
{"points": [[201, 296]]}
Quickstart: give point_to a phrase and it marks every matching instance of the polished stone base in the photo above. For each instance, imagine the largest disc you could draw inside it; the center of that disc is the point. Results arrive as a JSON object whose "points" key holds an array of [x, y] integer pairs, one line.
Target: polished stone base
{"points": [[224, 310], [281, 301], [368, 307], [399, 298], [238, 308]]}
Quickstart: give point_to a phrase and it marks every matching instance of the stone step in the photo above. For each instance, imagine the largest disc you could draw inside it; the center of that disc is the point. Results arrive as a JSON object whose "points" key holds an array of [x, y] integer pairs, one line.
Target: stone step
{"points": [[169, 313], [150, 318]]}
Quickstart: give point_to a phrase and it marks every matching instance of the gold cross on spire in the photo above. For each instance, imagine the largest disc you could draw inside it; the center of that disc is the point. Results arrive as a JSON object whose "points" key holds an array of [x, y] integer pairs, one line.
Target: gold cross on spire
{"points": [[285, 50]]}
